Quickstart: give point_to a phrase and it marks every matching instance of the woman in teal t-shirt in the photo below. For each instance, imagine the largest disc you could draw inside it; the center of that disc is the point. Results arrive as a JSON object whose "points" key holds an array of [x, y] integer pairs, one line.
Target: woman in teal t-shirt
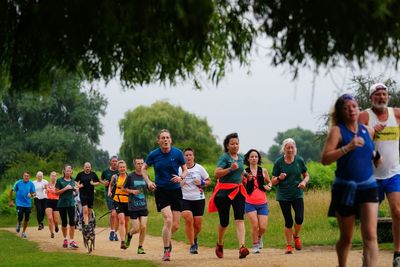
{"points": [[230, 182], [290, 176]]}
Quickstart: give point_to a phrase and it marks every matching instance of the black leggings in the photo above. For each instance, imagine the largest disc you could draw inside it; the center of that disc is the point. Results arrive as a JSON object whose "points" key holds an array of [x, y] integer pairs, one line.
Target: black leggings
{"points": [[298, 207], [67, 211], [223, 205], [40, 205]]}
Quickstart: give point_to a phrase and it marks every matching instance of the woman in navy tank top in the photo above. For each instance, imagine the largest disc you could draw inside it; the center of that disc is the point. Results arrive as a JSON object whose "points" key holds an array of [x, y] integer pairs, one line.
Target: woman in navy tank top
{"points": [[354, 190]]}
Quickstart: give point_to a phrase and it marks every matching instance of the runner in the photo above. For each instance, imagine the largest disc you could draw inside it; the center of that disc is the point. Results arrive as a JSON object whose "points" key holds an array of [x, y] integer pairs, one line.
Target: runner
{"points": [[135, 185], [166, 160], [290, 176], [85, 181], [24, 190], [105, 180], [65, 188], [120, 198], [256, 206], [385, 121], [354, 190], [40, 198], [53, 216], [228, 192], [193, 201]]}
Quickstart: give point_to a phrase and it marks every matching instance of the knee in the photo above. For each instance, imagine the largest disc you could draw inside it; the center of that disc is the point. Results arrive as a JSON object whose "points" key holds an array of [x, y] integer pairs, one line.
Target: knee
{"points": [[175, 226], [143, 228], [224, 223]]}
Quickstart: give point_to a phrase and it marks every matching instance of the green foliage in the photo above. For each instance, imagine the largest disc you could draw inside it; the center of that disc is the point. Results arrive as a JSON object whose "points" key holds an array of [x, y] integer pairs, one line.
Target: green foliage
{"points": [[308, 144], [169, 40], [141, 126], [64, 120], [141, 41], [321, 177], [4, 202]]}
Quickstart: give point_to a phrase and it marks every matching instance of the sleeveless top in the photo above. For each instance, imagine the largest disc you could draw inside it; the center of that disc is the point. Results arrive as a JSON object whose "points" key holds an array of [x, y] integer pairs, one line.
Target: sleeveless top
{"points": [[387, 143], [120, 196], [356, 165], [255, 189], [51, 192]]}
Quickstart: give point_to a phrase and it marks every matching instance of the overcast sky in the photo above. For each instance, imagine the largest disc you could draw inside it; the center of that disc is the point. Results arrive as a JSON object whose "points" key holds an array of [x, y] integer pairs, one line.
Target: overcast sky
{"points": [[257, 102]]}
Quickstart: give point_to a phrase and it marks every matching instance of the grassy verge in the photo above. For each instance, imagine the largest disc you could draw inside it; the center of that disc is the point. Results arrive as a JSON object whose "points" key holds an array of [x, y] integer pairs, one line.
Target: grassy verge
{"points": [[19, 252]]}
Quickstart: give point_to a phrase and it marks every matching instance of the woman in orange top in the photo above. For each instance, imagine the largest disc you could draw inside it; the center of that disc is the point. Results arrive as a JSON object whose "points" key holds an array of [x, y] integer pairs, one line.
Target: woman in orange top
{"points": [[53, 216], [120, 197], [256, 207]]}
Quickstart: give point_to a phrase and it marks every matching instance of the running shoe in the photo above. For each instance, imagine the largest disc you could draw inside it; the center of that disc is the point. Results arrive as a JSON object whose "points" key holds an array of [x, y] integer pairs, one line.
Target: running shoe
{"points": [[56, 228], [41, 226], [111, 237], [123, 245], [65, 243], [396, 261], [193, 249], [167, 255], [52, 235], [23, 235], [115, 237], [289, 249], [297, 242], [128, 240], [141, 251], [18, 228], [243, 252], [197, 244], [255, 249], [260, 242], [219, 250], [73, 244]]}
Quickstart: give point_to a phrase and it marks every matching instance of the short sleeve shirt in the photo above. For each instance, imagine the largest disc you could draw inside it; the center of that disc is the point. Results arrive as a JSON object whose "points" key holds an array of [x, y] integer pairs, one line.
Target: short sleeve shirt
{"points": [[287, 189], [191, 191], [136, 182], [40, 191], [165, 166], [235, 177], [67, 198], [85, 178], [22, 189]]}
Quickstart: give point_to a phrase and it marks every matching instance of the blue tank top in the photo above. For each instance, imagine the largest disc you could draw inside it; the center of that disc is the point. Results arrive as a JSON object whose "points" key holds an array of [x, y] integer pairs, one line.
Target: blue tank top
{"points": [[356, 165]]}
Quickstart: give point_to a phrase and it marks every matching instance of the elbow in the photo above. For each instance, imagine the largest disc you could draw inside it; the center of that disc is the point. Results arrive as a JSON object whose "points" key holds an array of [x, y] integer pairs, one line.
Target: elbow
{"points": [[325, 161]]}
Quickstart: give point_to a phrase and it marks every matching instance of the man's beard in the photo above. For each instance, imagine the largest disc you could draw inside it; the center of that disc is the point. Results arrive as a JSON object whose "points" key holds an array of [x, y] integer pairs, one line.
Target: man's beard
{"points": [[379, 106]]}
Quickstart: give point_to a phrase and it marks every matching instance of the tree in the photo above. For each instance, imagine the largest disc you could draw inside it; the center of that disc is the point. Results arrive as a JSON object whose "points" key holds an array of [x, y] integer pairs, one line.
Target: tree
{"points": [[141, 126], [64, 121], [308, 145], [168, 40]]}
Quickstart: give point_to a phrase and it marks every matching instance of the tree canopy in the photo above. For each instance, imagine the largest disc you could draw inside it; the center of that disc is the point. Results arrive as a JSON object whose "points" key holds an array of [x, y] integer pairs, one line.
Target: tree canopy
{"points": [[167, 40], [66, 121], [140, 127], [308, 144]]}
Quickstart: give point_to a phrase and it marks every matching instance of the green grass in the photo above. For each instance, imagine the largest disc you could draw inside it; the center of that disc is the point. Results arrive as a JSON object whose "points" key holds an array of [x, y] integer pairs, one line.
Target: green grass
{"points": [[19, 252]]}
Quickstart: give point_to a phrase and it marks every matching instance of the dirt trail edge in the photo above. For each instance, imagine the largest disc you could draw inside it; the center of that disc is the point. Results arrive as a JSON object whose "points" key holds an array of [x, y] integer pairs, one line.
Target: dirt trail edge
{"points": [[309, 256]]}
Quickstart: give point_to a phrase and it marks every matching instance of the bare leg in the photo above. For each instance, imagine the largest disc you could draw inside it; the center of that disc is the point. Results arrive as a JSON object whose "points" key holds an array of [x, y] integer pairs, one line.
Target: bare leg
{"points": [[167, 227], [241, 232], [143, 227], [394, 203], [189, 228], [253, 220], [343, 246], [197, 222], [369, 218]]}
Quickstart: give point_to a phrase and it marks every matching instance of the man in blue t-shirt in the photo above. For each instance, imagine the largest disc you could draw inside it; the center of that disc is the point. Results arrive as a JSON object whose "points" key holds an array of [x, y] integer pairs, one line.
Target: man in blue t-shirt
{"points": [[168, 194], [25, 191]]}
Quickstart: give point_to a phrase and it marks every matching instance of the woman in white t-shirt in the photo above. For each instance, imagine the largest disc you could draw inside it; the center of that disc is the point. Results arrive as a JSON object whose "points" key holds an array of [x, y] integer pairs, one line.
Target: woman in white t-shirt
{"points": [[193, 200], [40, 198]]}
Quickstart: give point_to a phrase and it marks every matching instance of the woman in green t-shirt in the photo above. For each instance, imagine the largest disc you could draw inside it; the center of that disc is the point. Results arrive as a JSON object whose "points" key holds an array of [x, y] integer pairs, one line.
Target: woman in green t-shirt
{"points": [[290, 176], [65, 188], [230, 191]]}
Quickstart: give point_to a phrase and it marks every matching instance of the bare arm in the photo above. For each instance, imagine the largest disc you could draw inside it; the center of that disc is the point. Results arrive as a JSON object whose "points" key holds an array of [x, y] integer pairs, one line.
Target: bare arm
{"points": [[267, 179], [330, 152], [145, 175], [110, 185], [11, 202]]}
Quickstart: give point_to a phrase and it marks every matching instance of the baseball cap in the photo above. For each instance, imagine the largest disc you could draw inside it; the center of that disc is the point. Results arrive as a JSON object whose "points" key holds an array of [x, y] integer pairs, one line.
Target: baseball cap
{"points": [[375, 87]]}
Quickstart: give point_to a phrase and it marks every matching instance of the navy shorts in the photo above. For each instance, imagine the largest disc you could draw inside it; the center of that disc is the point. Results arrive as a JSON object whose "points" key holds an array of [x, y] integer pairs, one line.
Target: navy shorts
{"points": [[388, 186]]}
